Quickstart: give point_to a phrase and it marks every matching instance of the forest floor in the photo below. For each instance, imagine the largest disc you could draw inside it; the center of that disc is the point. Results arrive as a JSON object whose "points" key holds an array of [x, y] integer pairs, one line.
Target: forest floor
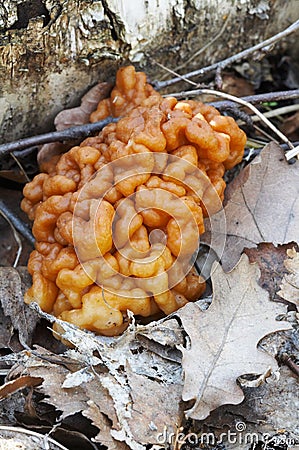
{"points": [[63, 393]]}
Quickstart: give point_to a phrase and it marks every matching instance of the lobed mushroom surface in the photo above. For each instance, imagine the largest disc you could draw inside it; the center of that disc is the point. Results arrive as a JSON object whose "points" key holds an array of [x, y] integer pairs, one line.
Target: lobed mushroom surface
{"points": [[117, 218]]}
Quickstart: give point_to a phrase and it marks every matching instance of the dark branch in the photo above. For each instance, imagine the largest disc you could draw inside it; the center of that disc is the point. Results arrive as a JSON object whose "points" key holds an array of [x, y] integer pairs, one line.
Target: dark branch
{"points": [[232, 59], [69, 134], [17, 223], [83, 131]]}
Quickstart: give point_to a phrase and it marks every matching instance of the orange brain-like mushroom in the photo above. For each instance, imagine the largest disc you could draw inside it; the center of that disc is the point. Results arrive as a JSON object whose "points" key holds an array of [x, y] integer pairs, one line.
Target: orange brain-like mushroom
{"points": [[95, 210]]}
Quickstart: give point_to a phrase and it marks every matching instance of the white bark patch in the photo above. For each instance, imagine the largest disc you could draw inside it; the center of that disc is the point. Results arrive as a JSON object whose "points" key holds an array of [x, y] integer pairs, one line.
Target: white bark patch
{"points": [[144, 20]]}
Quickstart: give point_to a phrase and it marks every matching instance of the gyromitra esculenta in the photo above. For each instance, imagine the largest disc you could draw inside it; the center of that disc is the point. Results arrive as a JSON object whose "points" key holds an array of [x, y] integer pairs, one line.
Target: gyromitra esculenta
{"points": [[117, 218]]}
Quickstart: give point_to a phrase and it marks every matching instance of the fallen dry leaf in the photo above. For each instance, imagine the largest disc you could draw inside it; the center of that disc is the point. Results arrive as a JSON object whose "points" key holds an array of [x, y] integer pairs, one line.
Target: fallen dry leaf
{"points": [[262, 206], [101, 421], [148, 396], [16, 438], [236, 85], [270, 260], [290, 126], [133, 388], [265, 410], [13, 283], [20, 383], [122, 381], [289, 288], [68, 401], [224, 339]]}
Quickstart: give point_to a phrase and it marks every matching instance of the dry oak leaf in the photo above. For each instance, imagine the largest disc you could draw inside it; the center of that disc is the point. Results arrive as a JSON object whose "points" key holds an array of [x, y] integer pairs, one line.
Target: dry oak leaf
{"points": [[10, 387], [224, 339], [270, 259], [103, 424], [155, 406], [271, 407], [17, 315], [289, 288], [262, 206]]}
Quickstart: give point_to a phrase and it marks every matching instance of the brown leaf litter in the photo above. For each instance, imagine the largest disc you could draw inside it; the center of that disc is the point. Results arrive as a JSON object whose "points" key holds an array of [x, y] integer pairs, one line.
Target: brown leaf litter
{"points": [[137, 388], [290, 283], [262, 206]]}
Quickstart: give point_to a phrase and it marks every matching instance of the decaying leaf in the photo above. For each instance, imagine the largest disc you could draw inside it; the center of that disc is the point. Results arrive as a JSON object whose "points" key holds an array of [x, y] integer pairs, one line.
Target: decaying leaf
{"points": [[131, 386], [290, 283], [20, 383], [148, 396], [67, 400], [7, 330], [270, 260], [99, 420], [262, 206], [127, 382], [290, 126], [267, 410], [224, 339], [13, 283], [12, 438]]}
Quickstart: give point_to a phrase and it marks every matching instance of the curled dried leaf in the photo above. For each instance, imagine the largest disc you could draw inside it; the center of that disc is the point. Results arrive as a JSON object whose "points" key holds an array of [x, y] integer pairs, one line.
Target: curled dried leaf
{"points": [[289, 288]]}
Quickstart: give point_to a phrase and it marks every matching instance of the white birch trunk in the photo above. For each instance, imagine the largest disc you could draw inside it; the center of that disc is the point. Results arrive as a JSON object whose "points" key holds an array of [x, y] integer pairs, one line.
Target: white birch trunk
{"points": [[52, 51]]}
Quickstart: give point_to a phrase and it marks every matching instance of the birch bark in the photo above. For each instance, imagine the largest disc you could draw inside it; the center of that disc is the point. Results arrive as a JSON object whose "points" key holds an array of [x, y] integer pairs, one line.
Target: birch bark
{"points": [[52, 51]]}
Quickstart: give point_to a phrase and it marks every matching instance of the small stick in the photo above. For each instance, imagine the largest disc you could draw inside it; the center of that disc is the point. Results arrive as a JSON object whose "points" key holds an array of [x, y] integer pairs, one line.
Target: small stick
{"points": [[277, 112], [292, 153], [287, 360], [258, 98], [20, 167], [27, 145], [68, 134], [264, 133], [251, 152], [232, 59], [16, 222], [253, 108], [182, 78], [16, 236]]}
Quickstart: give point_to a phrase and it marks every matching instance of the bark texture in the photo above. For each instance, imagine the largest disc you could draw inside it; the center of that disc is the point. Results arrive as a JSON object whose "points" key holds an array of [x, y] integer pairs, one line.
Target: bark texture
{"points": [[52, 51]]}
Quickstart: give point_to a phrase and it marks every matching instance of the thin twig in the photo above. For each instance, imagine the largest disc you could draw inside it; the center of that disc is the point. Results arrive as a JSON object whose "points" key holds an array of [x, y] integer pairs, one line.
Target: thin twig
{"points": [[16, 222], [287, 360], [264, 133], [182, 78], [258, 98], [28, 145], [68, 134], [256, 143], [25, 152], [253, 151], [20, 167], [232, 59], [253, 108], [277, 112], [16, 236], [292, 153]]}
